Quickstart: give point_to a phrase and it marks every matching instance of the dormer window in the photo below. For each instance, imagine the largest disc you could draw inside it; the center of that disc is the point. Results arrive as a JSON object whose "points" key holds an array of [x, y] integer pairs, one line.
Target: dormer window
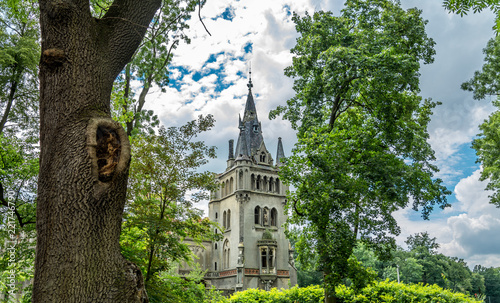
{"points": [[255, 128], [263, 157]]}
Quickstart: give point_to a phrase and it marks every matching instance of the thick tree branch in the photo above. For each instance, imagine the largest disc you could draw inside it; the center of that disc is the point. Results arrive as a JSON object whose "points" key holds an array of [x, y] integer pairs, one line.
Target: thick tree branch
{"points": [[296, 209], [124, 26], [339, 100]]}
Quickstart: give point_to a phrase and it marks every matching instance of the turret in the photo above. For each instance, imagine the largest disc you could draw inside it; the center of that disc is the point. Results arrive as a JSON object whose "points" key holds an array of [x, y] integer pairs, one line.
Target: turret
{"points": [[230, 158], [280, 154]]}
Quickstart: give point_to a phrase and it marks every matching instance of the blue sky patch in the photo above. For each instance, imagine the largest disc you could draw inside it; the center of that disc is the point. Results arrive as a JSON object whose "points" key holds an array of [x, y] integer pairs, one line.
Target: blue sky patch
{"points": [[287, 9], [177, 82], [228, 14], [248, 48], [466, 166]]}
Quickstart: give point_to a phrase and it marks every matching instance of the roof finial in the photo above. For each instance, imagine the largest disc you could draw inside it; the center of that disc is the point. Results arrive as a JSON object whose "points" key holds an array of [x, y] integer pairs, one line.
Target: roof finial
{"points": [[250, 85]]}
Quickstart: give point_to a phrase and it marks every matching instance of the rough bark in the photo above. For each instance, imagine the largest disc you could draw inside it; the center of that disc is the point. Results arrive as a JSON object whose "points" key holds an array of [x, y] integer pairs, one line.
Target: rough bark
{"points": [[84, 156]]}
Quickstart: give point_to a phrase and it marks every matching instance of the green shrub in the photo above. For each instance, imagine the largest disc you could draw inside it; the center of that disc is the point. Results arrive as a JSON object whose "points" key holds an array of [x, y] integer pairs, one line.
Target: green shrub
{"points": [[310, 294], [386, 291], [378, 292]]}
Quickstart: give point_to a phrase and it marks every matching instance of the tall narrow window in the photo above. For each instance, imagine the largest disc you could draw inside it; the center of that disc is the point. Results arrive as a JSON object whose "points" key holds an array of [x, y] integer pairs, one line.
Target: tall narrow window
{"points": [[228, 223], [271, 258], [231, 185], [257, 183], [225, 256], [215, 266], [274, 217], [277, 185], [240, 180], [257, 215], [224, 216], [252, 178], [263, 254]]}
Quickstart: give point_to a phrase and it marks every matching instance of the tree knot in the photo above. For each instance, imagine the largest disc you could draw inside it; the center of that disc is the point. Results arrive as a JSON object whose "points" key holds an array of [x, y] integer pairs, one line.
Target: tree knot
{"points": [[53, 57], [107, 152]]}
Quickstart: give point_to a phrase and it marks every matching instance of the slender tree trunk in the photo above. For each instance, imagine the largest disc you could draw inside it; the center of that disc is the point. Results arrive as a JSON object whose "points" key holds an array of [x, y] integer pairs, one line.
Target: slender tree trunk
{"points": [[85, 156], [16, 77]]}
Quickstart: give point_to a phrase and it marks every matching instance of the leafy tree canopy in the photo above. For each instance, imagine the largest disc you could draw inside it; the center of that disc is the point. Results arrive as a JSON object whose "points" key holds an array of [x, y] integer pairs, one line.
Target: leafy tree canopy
{"points": [[165, 182], [362, 148]]}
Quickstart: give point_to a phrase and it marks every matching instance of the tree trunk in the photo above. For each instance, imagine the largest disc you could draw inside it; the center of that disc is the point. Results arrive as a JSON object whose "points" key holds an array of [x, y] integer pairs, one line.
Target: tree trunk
{"points": [[84, 156], [329, 297]]}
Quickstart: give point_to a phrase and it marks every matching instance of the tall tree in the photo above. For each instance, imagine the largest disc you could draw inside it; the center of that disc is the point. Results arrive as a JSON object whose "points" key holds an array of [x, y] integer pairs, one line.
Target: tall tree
{"points": [[85, 155], [362, 148], [422, 242], [491, 277], [165, 183], [19, 54]]}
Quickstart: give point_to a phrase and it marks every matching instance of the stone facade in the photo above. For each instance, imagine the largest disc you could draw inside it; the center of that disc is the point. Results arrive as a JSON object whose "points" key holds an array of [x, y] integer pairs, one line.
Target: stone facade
{"points": [[249, 205]]}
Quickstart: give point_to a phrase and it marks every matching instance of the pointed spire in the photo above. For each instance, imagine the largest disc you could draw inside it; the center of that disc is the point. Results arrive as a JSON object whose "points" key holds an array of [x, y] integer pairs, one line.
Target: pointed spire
{"points": [[280, 154], [250, 111], [250, 138]]}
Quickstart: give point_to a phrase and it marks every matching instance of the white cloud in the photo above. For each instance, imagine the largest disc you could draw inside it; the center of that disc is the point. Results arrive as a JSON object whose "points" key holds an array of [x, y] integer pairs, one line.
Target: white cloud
{"points": [[471, 234]]}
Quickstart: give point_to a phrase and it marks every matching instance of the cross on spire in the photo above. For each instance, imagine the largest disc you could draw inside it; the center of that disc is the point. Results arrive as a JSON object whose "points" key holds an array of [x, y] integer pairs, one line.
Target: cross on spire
{"points": [[250, 85]]}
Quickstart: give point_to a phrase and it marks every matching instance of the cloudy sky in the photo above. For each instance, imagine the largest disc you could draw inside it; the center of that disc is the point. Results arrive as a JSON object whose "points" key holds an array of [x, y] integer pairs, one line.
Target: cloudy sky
{"points": [[209, 76]]}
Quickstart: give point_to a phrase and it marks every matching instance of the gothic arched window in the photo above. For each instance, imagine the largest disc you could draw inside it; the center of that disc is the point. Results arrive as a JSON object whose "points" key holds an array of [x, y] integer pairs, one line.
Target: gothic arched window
{"points": [[252, 178], [271, 181], [257, 215], [228, 223], [231, 184], [224, 216], [277, 185]]}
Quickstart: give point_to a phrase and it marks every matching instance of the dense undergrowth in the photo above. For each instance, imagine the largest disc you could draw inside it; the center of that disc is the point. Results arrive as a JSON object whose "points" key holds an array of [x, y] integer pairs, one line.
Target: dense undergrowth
{"points": [[383, 291]]}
